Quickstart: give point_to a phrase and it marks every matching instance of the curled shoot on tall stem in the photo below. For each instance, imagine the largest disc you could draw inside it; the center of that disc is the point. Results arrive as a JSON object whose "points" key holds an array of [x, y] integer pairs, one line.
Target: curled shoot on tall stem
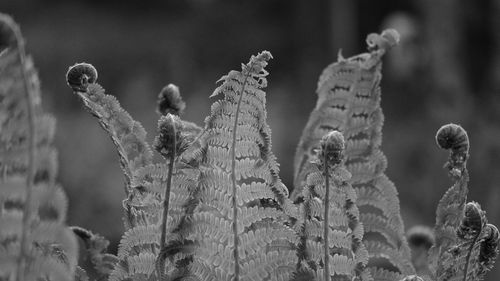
{"points": [[330, 154], [454, 138], [170, 143]]}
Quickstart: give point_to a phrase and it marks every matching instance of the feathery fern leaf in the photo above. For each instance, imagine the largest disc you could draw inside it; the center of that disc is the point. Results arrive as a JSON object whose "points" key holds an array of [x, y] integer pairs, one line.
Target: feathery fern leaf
{"points": [[239, 226], [96, 249], [127, 134], [349, 102], [331, 248], [34, 242], [466, 245], [164, 195]]}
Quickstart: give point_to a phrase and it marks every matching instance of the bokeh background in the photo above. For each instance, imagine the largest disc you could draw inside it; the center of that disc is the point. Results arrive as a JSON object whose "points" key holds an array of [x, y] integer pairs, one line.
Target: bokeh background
{"points": [[446, 69]]}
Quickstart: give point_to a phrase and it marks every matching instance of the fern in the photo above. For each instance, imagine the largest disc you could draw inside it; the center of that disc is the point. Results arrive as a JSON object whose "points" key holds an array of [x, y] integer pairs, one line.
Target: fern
{"points": [[331, 247], [34, 242], [158, 194], [349, 101], [239, 226], [215, 208], [127, 134], [466, 245]]}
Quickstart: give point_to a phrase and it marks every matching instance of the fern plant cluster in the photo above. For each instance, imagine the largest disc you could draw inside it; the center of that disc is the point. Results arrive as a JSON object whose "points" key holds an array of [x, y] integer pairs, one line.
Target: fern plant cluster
{"points": [[215, 208]]}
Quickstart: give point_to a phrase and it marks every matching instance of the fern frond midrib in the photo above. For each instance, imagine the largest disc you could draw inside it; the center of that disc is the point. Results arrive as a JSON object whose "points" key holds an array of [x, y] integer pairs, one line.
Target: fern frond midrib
{"points": [[326, 224], [120, 148], [166, 201], [233, 178]]}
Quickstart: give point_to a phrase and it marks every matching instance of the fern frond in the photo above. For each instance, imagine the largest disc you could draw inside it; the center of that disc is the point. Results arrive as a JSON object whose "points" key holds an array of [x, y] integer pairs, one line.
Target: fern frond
{"points": [[97, 251], [349, 101], [35, 243], [451, 207], [150, 234], [331, 233], [460, 261], [466, 245], [159, 193], [381, 274], [127, 134], [239, 225]]}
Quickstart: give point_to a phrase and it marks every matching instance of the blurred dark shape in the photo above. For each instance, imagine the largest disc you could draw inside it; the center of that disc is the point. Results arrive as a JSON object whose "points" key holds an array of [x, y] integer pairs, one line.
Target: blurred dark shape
{"points": [[7, 36], [404, 60], [170, 101], [420, 238]]}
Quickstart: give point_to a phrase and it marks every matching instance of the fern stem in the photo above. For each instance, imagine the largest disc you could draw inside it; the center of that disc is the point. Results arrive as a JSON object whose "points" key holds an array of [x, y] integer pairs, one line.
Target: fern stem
{"points": [[326, 202], [166, 203], [471, 248], [31, 148], [233, 179]]}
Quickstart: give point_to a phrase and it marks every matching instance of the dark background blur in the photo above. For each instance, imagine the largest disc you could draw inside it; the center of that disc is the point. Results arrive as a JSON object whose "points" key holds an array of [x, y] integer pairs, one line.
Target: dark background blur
{"points": [[446, 69]]}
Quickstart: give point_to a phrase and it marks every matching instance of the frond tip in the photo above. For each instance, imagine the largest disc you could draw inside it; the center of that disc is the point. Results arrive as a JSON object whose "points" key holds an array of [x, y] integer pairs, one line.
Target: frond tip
{"points": [[454, 137], [388, 39], [80, 75]]}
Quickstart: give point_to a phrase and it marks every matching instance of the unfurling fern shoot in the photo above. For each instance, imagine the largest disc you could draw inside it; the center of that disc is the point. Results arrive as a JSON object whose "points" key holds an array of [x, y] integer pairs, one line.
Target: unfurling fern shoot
{"points": [[466, 246], [170, 101], [331, 233], [80, 75], [170, 144], [454, 138]]}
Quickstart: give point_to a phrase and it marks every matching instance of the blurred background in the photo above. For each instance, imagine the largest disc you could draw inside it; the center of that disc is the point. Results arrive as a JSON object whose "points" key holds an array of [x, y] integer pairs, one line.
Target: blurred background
{"points": [[446, 69]]}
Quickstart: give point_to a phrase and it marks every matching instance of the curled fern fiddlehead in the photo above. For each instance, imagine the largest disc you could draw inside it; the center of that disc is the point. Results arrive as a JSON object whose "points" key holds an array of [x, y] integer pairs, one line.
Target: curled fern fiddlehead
{"points": [[454, 138], [80, 75]]}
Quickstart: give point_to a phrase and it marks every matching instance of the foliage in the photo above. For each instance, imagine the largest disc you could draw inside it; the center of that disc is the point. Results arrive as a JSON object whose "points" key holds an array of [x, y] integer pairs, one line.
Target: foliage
{"points": [[214, 207], [34, 241]]}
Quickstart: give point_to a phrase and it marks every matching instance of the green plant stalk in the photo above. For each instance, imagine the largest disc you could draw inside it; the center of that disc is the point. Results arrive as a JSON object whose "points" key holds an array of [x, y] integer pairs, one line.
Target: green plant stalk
{"points": [[325, 219], [166, 203]]}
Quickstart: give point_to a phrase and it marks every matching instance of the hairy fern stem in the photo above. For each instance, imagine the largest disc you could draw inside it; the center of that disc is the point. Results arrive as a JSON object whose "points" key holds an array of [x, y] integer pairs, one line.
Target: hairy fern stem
{"points": [[325, 219], [166, 201]]}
